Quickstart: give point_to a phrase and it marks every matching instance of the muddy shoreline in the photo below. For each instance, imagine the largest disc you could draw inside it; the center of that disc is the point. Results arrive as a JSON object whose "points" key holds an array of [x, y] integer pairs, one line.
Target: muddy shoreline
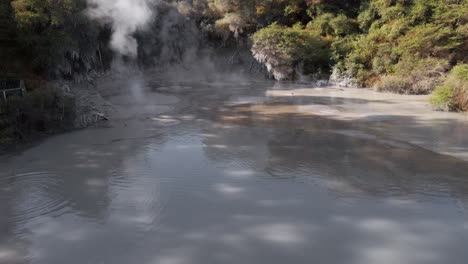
{"points": [[119, 97], [403, 118]]}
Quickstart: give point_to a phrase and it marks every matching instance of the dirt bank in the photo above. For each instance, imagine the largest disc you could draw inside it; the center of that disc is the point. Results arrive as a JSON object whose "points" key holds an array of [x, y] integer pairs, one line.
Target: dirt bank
{"points": [[405, 118], [122, 97]]}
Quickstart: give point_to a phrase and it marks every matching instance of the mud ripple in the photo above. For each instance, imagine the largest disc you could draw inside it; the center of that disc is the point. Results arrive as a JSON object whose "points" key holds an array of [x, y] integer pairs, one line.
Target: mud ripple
{"points": [[34, 194]]}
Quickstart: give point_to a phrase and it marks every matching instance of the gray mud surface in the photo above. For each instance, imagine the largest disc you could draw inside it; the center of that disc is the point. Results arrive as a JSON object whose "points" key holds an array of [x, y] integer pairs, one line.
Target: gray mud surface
{"points": [[229, 171]]}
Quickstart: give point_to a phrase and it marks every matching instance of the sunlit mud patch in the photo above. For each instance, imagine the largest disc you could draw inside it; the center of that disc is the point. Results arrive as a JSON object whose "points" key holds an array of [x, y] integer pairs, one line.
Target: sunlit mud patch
{"points": [[240, 173], [355, 134], [246, 113], [273, 108], [38, 194], [228, 189], [164, 120], [246, 100], [362, 135], [173, 89], [321, 110], [274, 113], [281, 233]]}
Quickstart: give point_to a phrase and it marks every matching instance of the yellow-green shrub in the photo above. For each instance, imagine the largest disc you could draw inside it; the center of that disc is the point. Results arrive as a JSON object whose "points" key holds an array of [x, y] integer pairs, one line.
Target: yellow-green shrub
{"points": [[453, 93], [287, 47]]}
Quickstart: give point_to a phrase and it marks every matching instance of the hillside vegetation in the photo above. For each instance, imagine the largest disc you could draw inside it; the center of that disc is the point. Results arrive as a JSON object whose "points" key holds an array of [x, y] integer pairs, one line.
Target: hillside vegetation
{"points": [[404, 46]]}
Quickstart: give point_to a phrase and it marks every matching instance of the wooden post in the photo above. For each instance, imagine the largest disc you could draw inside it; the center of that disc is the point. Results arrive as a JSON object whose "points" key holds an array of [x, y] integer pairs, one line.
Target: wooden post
{"points": [[4, 96], [22, 87]]}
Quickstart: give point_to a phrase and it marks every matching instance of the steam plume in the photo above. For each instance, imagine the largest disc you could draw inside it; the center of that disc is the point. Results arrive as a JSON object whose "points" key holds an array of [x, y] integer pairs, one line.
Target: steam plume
{"points": [[126, 17]]}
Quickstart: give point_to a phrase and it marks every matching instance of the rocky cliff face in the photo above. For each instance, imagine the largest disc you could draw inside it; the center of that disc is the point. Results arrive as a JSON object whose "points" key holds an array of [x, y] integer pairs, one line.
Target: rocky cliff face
{"points": [[176, 39], [340, 79]]}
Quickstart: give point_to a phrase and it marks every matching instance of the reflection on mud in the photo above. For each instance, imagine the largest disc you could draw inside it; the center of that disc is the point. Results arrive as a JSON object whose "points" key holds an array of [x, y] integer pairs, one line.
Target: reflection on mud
{"points": [[335, 152], [233, 174]]}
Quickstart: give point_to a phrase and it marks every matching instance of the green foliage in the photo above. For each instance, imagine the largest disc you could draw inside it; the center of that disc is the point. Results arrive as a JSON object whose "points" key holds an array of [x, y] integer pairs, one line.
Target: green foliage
{"points": [[460, 72], [39, 14], [414, 76], [289, 41], [322, 24], [230, 15], [453, 93], [342, 25], [441, 98], [42, 110], [54, 36], [331, 25], [426, 67], [230, 23], [423, 11], [340, 48], [392, 83], [394, 34], [429, 40], [367, 16], [279, 45]]}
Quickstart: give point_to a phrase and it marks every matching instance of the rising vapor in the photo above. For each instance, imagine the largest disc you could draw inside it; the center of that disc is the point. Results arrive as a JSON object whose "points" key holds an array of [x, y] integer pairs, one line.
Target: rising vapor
{"points": [[126, 17]]}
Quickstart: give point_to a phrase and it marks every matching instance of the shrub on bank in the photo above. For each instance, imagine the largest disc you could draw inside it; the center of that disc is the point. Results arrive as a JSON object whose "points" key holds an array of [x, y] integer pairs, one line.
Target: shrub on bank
{"points": [[405, 84], [452, 95], [39, 111], [414, 76], [392, 83], [283, 49]]}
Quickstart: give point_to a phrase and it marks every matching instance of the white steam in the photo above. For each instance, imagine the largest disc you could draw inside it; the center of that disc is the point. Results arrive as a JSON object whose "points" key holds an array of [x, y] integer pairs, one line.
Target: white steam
{"points": [[126, 17]]}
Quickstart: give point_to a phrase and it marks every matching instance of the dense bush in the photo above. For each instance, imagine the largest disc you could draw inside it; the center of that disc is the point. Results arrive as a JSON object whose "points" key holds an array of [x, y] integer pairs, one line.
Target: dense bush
{"points": [[40, 111], [283, 49], [414, 76], [56, 38], [409, 44], [333, 25], [453, 93], [392, 83]]}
